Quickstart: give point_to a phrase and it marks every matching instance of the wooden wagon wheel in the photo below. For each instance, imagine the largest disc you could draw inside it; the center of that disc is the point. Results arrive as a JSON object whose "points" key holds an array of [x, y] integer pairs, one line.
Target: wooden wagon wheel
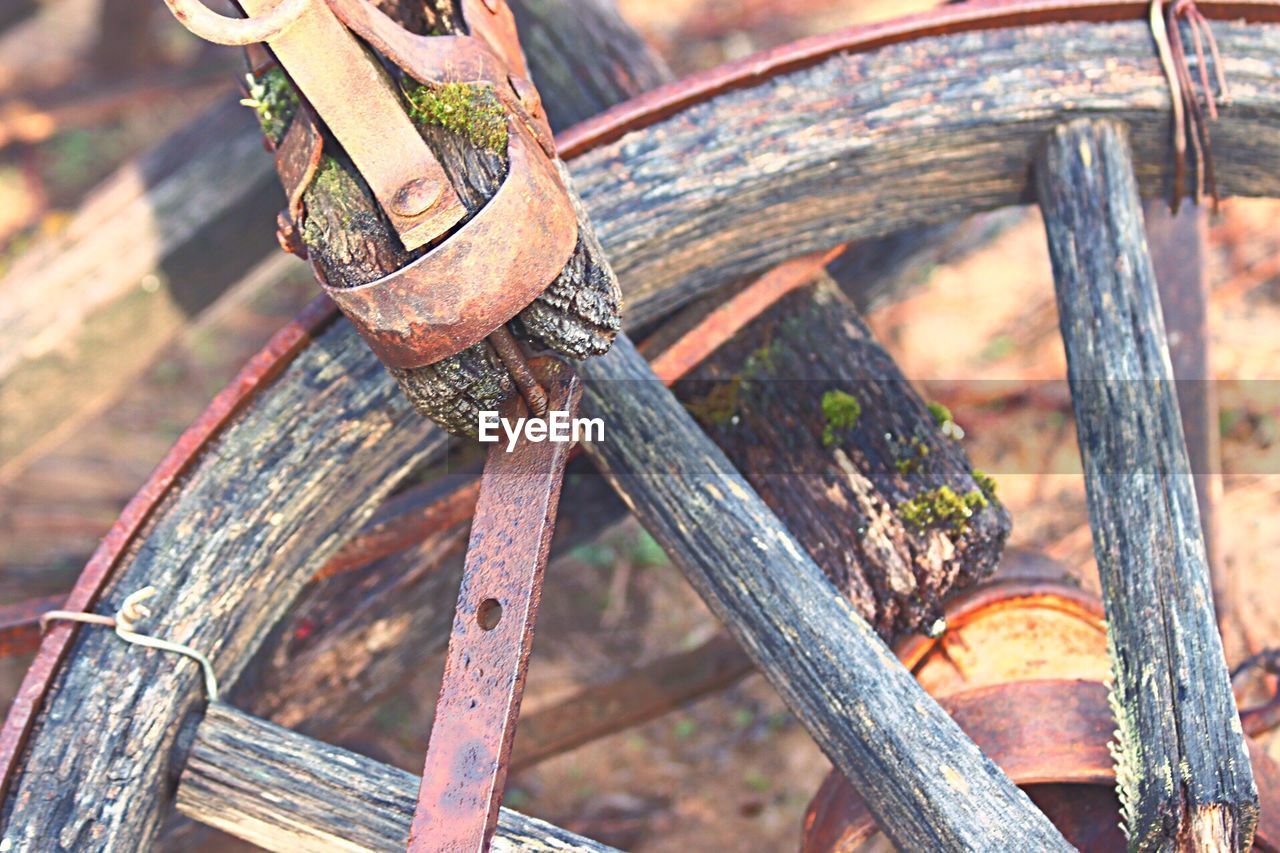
{"points": [[905, 140]]}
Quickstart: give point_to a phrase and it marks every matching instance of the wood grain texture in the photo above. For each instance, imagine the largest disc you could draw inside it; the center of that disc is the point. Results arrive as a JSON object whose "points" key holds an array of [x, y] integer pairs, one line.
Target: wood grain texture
{"points": [[286, 792], [868, 144], [265, 506], [848, 177], [364, 634], [1183, 769], [228, 571], [928, 784], [280, 490], [352, 639], [771, 399], [1179, 245]]}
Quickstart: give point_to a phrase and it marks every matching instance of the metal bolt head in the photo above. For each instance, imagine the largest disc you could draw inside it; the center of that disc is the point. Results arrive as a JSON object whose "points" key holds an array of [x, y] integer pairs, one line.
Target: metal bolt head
{"points": [[415, 197]]}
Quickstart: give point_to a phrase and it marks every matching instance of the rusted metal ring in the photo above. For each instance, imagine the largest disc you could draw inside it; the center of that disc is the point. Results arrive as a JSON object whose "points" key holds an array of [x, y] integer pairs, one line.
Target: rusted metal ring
{"points": [[455, 295], [219, 29]]}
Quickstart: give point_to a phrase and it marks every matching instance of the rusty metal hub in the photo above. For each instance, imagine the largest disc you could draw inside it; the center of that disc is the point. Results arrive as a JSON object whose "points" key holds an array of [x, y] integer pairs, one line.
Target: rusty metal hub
{"points": [[473, 279]]}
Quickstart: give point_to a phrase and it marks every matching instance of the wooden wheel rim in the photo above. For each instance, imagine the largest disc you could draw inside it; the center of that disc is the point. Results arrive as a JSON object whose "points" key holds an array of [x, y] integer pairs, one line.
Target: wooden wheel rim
{"points": [[1246, 137]]}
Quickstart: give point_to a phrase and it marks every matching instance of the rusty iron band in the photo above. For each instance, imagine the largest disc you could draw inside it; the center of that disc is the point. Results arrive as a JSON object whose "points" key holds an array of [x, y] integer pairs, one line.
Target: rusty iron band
{"points": [[580, 139]]}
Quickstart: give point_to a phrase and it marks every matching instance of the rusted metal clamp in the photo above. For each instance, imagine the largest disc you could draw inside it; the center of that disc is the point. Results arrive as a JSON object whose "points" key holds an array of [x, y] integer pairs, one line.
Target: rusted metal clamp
{"points": [[471, 282]]}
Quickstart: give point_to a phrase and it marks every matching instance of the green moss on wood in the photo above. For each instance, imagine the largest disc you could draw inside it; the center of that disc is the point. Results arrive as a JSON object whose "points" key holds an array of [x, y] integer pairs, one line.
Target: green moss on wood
{"points": [[469, 110], [910, 456], [841, 411], [945, 420], [985, 482], [942, 507], [273, 99]]}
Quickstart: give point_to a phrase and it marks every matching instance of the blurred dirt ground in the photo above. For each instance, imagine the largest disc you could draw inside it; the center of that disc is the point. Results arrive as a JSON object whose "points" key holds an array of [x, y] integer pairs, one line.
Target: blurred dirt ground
{"points": [[735, 771]]}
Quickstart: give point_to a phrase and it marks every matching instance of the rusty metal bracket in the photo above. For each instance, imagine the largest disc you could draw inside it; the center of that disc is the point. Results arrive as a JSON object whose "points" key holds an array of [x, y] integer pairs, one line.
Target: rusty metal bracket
{"points": [[483, 275], [490, 55], [298, 158], [499, 261], [488, 655], [360, 104]]}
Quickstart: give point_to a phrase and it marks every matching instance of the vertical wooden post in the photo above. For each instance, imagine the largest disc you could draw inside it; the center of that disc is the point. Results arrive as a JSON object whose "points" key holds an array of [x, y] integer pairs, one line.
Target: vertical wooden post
{"points": [[1182, 766], [1177, 253]]}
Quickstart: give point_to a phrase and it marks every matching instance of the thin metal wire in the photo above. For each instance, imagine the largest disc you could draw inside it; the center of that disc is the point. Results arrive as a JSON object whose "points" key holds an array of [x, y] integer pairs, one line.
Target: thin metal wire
{"points": [[132, 611]]}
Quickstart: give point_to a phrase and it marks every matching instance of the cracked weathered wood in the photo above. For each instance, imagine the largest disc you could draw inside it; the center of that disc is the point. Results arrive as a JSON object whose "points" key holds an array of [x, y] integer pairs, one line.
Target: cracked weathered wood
{"points": [[267, 503], [661, 178], [281, 488], [927, 783], [818, 418], [1183, 769], [867, 144], [1178, 247], [232, 547], [365, 633], [315, 683], [284, 791]]}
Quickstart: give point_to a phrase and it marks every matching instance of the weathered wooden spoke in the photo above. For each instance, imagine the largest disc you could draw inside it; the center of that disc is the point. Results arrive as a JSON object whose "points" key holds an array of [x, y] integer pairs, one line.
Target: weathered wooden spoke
{"points": [[928, 784], [862, 140], [1178, 244], [1183, 768], [287, 792]]}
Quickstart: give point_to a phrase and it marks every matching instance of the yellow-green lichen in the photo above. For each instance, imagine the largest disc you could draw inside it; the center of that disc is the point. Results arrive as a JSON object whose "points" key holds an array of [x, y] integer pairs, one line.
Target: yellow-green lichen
{"points": [[942, 507], [1125, 746], [274, 100], [945, 420], [910, 456], [941, 414], [471, 111], [985, 482], [841, 412]]}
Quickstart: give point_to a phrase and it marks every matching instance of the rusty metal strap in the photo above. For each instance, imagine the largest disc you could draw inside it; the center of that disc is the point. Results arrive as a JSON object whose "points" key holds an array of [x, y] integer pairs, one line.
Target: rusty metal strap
{"points": [[488, 655], [483, 275]]}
